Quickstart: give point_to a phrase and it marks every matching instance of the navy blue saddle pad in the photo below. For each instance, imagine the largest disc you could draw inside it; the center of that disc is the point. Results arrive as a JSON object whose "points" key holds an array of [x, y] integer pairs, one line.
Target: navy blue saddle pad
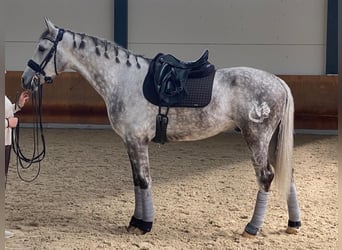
{"points": [[174, 83]]}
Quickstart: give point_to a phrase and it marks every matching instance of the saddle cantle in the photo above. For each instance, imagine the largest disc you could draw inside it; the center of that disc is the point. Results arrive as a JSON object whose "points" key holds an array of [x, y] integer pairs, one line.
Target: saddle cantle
{"points": [[171, 82]]}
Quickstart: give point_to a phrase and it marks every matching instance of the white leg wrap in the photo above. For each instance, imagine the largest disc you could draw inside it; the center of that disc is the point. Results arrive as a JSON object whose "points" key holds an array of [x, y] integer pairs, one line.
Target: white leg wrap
{"points": [[292, 204], [147, 205], [259, 213], [138, 211], [260, 209]]}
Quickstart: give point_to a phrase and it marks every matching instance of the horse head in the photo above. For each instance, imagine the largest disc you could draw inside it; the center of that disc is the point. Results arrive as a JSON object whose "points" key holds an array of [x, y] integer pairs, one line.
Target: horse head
{"points": [[46, 61]]}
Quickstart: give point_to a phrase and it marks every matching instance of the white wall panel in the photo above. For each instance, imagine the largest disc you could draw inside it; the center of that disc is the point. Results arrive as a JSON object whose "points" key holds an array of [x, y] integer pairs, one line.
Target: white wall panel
{"points": [[25, 23], [281, 36], [287, 59]]}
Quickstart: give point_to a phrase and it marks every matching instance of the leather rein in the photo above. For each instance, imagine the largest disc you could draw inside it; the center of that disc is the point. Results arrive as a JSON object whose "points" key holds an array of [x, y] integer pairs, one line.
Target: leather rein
{"points": [[39, 148], [38, 154]]}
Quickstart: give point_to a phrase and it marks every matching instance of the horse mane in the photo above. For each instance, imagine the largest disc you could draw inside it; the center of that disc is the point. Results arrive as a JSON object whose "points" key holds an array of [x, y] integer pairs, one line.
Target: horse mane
{"points": [[104, 45]]}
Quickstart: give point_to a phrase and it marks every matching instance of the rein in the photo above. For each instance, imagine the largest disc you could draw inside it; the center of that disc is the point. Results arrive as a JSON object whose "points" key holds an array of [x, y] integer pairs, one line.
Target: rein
{"points": [[38, 153]]}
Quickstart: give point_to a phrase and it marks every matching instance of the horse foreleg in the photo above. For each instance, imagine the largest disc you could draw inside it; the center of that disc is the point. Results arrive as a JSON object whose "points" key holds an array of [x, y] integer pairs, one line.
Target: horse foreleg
{"points": [[142, 219], [294, 222]]}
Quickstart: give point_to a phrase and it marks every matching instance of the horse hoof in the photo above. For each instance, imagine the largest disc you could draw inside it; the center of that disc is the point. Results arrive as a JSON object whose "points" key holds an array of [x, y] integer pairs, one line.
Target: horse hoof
{"points": [[134, 230], [292, 230], [248, 235]]}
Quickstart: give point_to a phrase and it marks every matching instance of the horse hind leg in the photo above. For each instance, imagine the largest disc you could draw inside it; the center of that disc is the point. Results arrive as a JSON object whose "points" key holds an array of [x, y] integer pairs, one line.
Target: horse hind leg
{"points": [[264, 174], [294, 221], [264, 180]]}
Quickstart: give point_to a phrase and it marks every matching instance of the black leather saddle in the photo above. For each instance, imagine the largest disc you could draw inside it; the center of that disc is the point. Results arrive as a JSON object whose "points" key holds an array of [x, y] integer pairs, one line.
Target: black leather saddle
{"points": [[171, 82], [166, 83]]}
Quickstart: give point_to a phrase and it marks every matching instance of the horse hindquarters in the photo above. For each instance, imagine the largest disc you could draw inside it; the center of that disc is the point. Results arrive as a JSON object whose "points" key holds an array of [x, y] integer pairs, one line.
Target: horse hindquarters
{"points": [[279, 154]]}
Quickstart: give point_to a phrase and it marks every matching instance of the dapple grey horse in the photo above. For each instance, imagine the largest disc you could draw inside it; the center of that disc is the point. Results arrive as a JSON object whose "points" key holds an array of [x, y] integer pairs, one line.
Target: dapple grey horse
{"points": [[258, 103]]}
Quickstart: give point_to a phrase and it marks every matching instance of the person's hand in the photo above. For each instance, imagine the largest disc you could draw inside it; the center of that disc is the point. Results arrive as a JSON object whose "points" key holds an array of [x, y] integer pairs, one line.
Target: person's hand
{"points": [[12, 122], [23, 98]]}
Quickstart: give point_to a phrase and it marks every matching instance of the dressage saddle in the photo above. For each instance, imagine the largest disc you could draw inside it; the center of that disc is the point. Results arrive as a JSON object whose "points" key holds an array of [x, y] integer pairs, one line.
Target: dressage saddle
{"points": [[169, 75], [171, 82]]}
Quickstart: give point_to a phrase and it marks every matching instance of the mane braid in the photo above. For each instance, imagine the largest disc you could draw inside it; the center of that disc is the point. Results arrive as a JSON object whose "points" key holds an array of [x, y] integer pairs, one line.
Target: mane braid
{"points": [[74, 42], [128, 62], [116, 54], [136, 59], [82, 44], [106, 48], [128, 53], [96, 42]]}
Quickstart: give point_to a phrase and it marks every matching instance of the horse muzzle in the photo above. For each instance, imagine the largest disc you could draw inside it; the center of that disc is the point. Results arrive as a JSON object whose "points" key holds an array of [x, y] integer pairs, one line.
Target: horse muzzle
{"points": [[27, 78], [31, 80]]}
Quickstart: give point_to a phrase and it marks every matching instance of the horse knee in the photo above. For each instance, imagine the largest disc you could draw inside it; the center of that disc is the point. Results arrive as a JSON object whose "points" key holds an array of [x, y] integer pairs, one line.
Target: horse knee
{"points": [[144, 183], [141, 175], [141, 181]]}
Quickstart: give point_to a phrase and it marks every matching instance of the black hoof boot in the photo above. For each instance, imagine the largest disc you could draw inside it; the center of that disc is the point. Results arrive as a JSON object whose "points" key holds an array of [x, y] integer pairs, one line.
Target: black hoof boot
{"points": [[293, 227], [250, 231], [139, 227]]}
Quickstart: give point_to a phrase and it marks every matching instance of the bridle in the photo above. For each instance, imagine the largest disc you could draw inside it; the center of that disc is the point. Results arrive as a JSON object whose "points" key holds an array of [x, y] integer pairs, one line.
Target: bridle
{"points": [[37, 154], [39, 68]]}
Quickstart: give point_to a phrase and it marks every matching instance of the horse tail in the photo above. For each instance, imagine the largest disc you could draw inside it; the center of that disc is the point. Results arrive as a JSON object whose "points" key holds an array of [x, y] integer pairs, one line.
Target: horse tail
{"points": [[284, 148]]}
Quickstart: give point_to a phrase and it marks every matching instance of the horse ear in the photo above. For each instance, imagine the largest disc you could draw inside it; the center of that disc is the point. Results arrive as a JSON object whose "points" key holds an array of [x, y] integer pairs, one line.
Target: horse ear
{"points": [[51, 27]]}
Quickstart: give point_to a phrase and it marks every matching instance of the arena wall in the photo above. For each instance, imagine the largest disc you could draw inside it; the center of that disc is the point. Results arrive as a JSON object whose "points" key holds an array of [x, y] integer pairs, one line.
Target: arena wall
{"points": [[285, 37]]}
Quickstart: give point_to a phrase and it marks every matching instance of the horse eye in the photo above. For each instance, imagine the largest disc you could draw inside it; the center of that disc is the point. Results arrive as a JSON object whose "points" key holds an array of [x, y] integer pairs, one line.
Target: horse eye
{"points": [[41, 48]]}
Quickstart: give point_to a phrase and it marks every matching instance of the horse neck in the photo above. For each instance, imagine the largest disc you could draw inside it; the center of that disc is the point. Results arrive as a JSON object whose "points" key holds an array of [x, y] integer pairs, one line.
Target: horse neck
{"points": [[104, 64]]}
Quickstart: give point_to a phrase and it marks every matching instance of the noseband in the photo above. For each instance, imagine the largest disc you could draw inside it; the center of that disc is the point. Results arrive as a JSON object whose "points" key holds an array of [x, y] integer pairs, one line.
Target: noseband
{"points": [[39, 69]]}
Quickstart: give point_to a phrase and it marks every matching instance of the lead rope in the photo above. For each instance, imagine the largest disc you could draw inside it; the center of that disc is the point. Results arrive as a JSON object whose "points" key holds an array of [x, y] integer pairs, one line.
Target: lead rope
{"points": [[23, 161]]}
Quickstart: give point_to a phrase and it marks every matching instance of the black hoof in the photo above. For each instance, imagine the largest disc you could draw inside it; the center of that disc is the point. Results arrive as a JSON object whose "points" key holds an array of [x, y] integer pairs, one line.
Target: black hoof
{"points": [[134, 230], [139, 227]]}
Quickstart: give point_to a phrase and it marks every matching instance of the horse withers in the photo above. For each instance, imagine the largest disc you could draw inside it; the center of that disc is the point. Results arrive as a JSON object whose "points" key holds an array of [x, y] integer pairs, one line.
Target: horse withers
{"points": [[259, 103]]}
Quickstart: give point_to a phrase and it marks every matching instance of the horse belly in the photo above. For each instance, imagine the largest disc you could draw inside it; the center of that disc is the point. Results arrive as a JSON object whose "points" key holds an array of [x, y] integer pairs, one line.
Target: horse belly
{"points": [[197, 130]]}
